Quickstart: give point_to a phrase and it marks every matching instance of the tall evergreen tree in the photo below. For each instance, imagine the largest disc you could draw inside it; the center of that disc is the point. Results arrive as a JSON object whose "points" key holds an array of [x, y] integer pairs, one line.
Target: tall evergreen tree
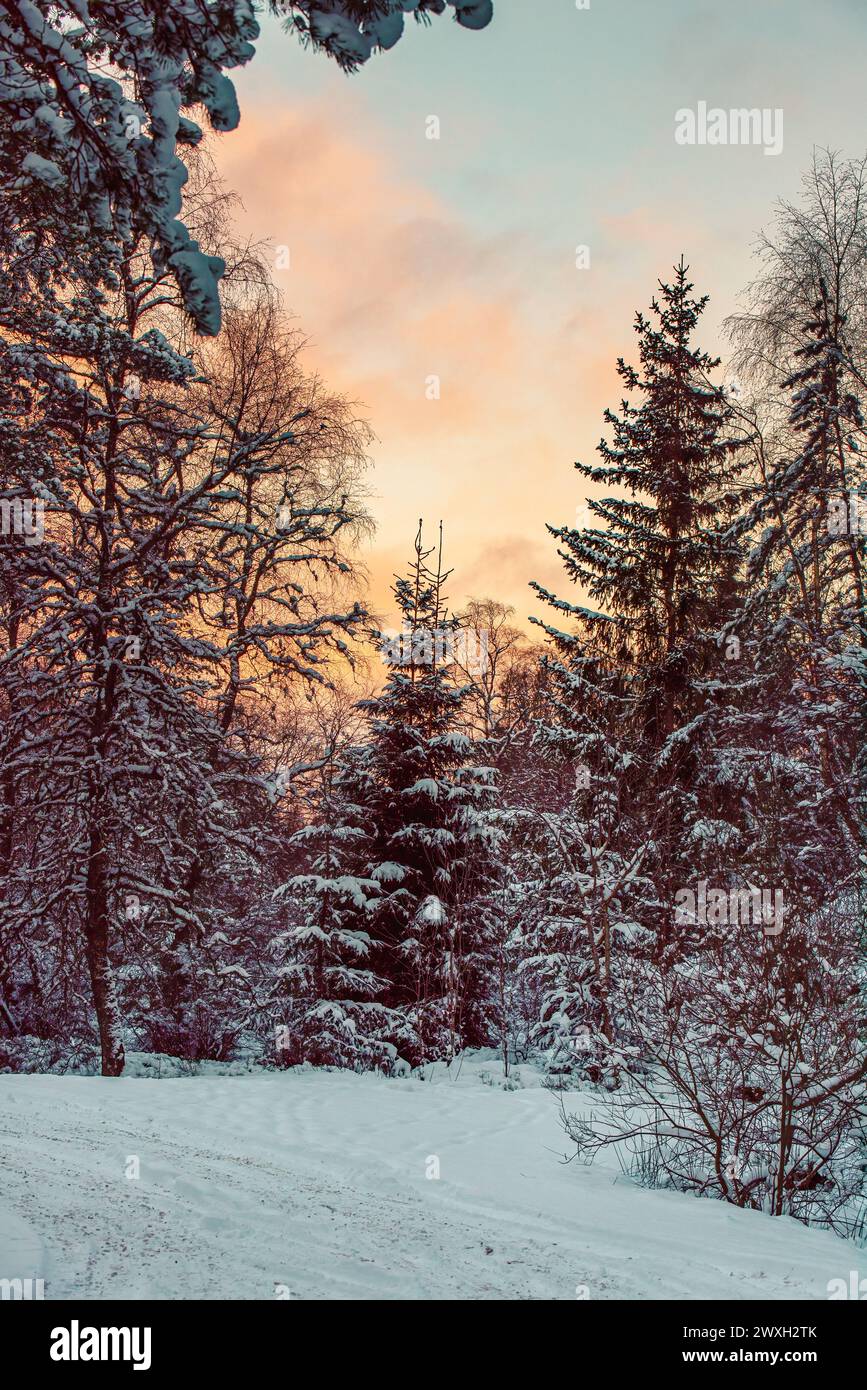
{"points": [[662, 570], [792, 734], [327, 999], [434, 850], [632, 676]]}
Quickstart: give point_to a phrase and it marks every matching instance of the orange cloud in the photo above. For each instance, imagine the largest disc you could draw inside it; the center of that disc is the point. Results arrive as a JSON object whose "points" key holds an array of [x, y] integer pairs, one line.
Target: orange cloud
{"points": [[484, 362]]}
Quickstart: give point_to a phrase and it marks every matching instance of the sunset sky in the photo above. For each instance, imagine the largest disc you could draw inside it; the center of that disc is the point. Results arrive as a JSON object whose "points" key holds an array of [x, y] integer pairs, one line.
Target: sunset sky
{"points": [[456, 258]]}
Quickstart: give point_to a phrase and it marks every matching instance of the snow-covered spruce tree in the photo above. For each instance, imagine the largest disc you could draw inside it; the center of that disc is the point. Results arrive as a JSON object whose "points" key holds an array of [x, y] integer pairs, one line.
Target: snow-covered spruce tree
{"points": [[629, 676], [96, 100], [504, 694], [828, 418], [802, 346], [808, 501], [662, 572], [790, 729], [755, 1089], [327, 997], [433, 852], [136, 629], [481, 960], [578, 850]]}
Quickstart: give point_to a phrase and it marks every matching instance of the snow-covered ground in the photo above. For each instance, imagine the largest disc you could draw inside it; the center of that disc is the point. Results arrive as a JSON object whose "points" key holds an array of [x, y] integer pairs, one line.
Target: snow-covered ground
{"points": [[310, 1184]]}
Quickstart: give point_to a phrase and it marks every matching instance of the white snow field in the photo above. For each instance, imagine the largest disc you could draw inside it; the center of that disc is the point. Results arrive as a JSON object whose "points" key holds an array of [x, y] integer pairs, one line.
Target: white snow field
{"points": [[308, 1184]]}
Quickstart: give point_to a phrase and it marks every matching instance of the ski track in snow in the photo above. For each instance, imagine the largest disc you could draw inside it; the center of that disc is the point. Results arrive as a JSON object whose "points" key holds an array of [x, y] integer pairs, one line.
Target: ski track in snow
{"points": [[316, 1181]]}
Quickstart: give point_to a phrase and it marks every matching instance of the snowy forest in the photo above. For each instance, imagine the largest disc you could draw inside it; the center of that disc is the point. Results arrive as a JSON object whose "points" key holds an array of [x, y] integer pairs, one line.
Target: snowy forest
{"points": [[244, 820]]}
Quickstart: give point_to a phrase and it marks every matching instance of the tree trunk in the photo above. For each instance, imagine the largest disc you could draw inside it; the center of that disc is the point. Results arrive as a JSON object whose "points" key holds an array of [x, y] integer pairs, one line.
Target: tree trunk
{"points": [[96, 938]]}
